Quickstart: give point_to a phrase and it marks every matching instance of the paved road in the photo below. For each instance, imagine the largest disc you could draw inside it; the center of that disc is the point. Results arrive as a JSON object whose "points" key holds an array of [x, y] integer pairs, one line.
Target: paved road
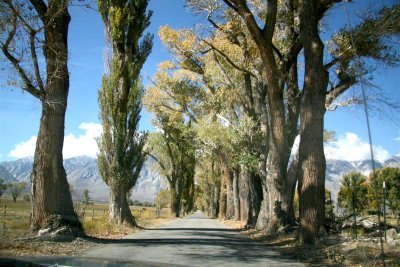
{"points": [[192, 241]]}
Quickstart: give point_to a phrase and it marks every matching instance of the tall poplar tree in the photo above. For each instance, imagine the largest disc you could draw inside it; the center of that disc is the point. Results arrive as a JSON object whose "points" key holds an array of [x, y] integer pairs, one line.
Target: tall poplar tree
{"points": [[121, 153]]}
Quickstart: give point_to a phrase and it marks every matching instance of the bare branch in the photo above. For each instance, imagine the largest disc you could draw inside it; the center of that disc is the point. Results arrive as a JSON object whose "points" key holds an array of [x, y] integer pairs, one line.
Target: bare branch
{"points": [[40, 8], [338, 90], [35, 61], [28, 86]]}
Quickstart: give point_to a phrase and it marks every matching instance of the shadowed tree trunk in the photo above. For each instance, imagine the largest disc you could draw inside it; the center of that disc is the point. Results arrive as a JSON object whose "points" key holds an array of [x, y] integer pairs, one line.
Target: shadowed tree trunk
{"points": [[244, 194], [230, 205], [290, 188], [236, 200], [175, 206], [256, 199], [311, 158], [222, 198]]}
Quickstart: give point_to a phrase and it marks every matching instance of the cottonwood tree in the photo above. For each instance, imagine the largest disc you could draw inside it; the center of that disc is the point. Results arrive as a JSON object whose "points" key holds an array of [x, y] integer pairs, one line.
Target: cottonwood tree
{"points": [[16, 189], [318, 92], [121, 155], [173, 145], [31, 31]]}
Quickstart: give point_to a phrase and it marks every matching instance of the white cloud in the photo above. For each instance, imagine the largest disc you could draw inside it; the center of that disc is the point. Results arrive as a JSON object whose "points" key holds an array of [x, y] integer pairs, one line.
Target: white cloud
{"points": [[81, 145], [24, 149], [350, 147]]}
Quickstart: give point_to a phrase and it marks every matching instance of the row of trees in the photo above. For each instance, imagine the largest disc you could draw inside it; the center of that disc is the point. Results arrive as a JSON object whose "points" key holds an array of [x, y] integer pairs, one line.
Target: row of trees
{"points": [[361, 194], [34, 41], [241, 88], [15, 188], [228, 108]]}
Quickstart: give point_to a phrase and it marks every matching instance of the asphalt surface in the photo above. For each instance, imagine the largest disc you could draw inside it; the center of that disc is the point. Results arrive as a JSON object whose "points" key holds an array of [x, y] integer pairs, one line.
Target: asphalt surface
{"points": [[191, 241]]}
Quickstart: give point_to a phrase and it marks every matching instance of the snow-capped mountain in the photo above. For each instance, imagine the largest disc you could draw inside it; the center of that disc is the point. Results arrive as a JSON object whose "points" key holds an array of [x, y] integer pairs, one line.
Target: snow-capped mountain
{"points": [[82, 173]]}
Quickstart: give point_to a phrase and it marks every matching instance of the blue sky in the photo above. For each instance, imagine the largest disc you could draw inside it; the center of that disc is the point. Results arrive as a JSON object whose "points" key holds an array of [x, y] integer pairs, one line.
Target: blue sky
{"points": [[20, 112]]}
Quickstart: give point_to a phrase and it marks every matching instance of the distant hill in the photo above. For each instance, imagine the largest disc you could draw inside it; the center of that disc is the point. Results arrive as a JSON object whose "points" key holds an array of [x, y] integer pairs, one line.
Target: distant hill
{"points": [[82, 173]]}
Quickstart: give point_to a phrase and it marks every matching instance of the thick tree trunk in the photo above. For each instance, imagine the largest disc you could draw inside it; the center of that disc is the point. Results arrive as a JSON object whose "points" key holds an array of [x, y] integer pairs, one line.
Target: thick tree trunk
{"points": [[289, 190], [119, 210], [244, 194], [256, 196], [312, 159], [52, 207], [51, 199], [293, 112], [236, 200], [271, 215], [230, 205], [222, 199], [175, 206], [213, 205]]}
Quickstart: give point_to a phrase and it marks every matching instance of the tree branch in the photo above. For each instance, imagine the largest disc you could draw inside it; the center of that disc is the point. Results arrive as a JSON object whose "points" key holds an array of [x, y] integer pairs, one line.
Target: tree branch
{"points": [[161, 165], [228, 59], [28, 86], [40, 8], [338, 90], [231, 5], [32, 35]]}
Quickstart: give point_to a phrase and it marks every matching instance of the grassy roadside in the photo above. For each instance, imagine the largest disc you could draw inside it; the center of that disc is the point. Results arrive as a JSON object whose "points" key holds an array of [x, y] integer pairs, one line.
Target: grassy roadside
{"points": [[16, 238]]}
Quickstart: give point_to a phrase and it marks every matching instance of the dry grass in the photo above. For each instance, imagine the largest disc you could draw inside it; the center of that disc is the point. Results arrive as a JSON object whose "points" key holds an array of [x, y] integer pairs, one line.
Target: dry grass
{"points": [[233, 224], [16, 238], [332, 250], [15, 223]]}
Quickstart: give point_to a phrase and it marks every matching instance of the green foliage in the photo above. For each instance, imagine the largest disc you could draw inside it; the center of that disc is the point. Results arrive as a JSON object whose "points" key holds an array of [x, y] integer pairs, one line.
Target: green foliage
{"points": [[121, 155], [16, 189], [371, 39], [353, 191], [329, 205], [391, 177]]}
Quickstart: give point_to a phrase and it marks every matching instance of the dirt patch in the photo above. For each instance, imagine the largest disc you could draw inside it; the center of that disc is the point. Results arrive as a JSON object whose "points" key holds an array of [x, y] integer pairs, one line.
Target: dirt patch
{"points": [[44, 248], [331, 250]]}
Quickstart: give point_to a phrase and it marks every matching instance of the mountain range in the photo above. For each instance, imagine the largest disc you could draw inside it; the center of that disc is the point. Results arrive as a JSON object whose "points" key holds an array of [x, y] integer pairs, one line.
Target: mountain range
{"points": [[82, 173]]}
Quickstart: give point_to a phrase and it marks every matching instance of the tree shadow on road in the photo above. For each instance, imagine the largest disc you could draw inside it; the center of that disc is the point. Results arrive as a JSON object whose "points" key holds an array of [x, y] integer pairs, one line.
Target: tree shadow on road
{"points": [[207, 245]]}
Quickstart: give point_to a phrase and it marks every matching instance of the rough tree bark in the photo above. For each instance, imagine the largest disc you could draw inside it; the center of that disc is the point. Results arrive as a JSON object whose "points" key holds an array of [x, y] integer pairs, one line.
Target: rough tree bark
{"points": [[228, 178], [236, 200], [222, 198], [175, 205], [311, 158], [244, 195]]}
